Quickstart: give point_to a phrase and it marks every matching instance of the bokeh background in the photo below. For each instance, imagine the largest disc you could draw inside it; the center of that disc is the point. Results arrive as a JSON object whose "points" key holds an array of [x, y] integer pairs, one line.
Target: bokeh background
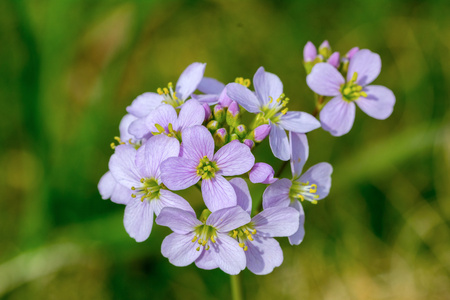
{"points": [[69, 68]]}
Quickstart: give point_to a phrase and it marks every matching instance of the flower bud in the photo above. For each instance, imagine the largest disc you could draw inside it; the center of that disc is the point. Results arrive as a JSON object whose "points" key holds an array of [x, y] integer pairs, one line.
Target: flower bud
{"points": [[261, 132], [219, 113], [249, 143], [233, 114], [309, 52], [234, 136], [262, 173], [325, 49], [241, 131], [213, 125], [351, 52], [224, 100], [334, 60], [208, 114], [220, 137]]}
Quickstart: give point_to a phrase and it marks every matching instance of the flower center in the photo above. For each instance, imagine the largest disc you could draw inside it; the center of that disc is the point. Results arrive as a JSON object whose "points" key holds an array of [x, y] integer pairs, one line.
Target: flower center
{"points": [[351, 91], [169, 132], [303, 191], [206, 168], [203, 234], [271, 109], [244, 234], [149, 189], [170, 96], [136, 145]]}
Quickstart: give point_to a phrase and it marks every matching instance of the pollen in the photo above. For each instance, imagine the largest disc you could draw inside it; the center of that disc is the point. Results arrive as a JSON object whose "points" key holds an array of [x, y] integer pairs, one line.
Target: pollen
{"points": [[207, 169], [351, 90], [119, 141], [242, 81], [304, 191], [169, 95]]}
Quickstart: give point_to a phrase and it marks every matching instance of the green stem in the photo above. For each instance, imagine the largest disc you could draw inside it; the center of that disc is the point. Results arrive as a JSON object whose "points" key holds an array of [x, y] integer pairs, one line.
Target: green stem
{"points": [[236, 289], [319, 105]]}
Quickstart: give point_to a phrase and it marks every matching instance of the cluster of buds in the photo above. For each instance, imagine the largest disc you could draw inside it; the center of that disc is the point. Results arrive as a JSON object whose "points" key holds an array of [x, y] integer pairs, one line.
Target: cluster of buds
{"points": [[195, 135]]}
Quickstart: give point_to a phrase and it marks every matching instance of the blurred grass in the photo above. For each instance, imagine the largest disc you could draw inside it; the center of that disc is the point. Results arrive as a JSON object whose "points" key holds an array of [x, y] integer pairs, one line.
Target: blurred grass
{"points": [[68, 70]]}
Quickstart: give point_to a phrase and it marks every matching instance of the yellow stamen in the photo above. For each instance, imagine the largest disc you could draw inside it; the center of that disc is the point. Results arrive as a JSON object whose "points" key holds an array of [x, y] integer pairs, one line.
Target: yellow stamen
{"points": [[194, 239]]}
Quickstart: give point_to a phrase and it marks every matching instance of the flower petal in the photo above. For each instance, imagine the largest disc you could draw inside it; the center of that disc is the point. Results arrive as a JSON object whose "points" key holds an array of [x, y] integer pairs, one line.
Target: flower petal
{"points": [[179, 249], [197, 142], [234, 158], [279, 142], [276, 221], [192, 113], [244, 97], [122, 166], [227, 219], [138, 128], [169, 199], [125, 123], [298, 121], [243, 197], [298, 236], [156, 150], [319, 174], [218, 193], [210, 85], [226, 252], [178, 220], [263, 255], [144, 104], [206, 261], [179, 173], [210, 99], [379, 103], [164, 115], [299, 152], [189, 80], [367, 64], [262, 173], [267, 85], [121, 195], [277, 194], [138, 219], [325, 80], [106, 185], [337, 116]]}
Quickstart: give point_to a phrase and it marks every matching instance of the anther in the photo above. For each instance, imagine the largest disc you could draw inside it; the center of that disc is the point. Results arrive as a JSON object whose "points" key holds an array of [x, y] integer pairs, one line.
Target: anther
{"points": [[245, 248], [133, 196], [159, 91], [194, 239], [314, 202], [133, 188], [313, 188], [113, 146]]}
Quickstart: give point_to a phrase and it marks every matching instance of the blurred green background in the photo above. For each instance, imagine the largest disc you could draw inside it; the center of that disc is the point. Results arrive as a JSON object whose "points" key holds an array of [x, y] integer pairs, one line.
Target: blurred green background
{"points": [[69, 68]]}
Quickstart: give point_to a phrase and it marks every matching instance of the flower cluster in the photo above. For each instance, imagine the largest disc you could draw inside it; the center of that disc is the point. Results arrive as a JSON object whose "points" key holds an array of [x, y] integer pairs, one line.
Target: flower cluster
{"points": [[194, 134]]}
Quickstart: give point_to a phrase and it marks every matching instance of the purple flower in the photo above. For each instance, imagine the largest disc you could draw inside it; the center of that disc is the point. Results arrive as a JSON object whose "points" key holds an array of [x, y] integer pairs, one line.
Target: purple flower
{"points": [[262, 251], [198, 161], [270, 103], [338, 115], [207, 242], [138, 171], [262, 173], [313, 185]]}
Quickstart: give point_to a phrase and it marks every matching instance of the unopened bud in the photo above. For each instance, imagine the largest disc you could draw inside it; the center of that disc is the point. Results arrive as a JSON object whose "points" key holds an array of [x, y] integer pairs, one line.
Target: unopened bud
{"points": [[309, 52], [213, 125], [249, 143], [334, 60], [234, 136], [220, 137], [224, 100], [261, 132], [325, 49], [233, 114], [241, 131], [219, 113], [208, 114]]}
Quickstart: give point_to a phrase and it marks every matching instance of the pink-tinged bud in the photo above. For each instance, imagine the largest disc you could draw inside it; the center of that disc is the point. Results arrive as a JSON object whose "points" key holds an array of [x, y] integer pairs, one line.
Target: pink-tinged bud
{"points": [[262, 173], [219, 113], [220, 137], [233, 114], [309, 52], [249, 143], [325, 49], [234, 109], [224, 100], [208, 113], [334, 59], [351, 52], [241, 131], [261, 132]]}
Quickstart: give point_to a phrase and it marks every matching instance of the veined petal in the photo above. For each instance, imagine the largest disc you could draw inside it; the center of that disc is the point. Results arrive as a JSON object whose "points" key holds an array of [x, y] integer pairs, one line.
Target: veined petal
{"points": [[210, 85], [144, 104], [263, 255], [379, 102], [299, 152], [325, 80], [319, 174], [121, 195], [276, 221], [210, 99], [218, 193], [189, 80], [227, 219], [197, 142], [156, 150], [138, 219], [243, 197], [192, 113], [298, 121], [125, 123], [106, 185], [279, 142], [262, 173], [234, 158], [206, 261], [138, 128], [179, 173], [298, 236], [179, 249], [267, 85], [337, 116], [123, 167], [226, 252], [169, 199], [163, 115], [277, 194], [178, 220], [244, 97], [367, 64]]}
